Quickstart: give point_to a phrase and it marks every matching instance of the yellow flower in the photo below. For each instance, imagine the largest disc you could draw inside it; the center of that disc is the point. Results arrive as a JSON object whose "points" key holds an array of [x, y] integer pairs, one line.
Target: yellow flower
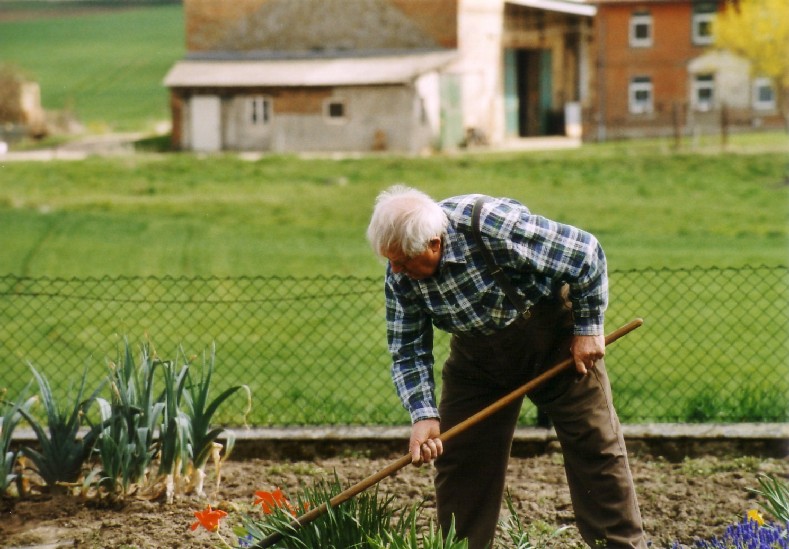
{"points": [[756, 516]]}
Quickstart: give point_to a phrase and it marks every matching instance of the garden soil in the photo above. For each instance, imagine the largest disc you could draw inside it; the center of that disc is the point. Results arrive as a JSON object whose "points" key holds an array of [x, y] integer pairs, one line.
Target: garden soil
{"points": [[679, 500]]}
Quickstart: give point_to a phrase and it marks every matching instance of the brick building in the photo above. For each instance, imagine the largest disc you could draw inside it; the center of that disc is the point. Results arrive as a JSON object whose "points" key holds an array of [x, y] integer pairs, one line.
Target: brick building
{"points": [[412, 75], [656, 72]]}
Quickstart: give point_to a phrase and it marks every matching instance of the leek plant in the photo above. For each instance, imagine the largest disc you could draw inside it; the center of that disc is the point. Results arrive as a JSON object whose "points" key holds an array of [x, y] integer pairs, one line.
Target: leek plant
{"points": [[173, 429], [8, 421], [127, 446], [200, 411], [117, 453], [62, 452]]}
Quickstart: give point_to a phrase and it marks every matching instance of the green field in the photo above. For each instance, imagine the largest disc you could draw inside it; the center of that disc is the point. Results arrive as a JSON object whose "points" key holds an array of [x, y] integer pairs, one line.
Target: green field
{"points": [[185, 215], [103, 62]]}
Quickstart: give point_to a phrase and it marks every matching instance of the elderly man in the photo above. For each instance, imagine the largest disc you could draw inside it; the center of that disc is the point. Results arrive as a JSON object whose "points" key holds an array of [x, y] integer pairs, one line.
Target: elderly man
{"points": [[547, 301]]}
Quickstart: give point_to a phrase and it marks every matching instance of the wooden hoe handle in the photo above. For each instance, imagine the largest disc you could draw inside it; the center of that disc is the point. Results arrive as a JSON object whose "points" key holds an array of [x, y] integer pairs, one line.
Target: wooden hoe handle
{"points": [[401, 462]]}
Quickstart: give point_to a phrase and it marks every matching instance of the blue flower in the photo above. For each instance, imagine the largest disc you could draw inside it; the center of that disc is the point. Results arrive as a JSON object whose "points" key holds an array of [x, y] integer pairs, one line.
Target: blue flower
{"points": [[747, 534]]}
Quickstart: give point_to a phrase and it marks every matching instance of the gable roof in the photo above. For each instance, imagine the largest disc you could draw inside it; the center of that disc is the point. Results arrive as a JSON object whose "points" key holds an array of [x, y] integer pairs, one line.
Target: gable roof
{"points": [[336, 71]]}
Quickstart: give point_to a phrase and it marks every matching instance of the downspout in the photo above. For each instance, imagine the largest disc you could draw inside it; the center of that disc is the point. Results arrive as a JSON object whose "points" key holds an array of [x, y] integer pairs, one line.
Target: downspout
{"points": [[601, 130]]}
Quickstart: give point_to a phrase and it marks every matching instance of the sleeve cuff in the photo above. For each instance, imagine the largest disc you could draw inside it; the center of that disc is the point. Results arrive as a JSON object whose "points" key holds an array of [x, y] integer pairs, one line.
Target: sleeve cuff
{"points": [[427, 412], [589, 326]]}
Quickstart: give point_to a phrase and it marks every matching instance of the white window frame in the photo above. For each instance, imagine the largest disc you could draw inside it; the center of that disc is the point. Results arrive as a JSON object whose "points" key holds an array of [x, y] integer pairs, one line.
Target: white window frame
{"points": [[639, 85], [702, 83], [638, 20], [760, 83], [699, 21], [331, 118], [259, 110]]}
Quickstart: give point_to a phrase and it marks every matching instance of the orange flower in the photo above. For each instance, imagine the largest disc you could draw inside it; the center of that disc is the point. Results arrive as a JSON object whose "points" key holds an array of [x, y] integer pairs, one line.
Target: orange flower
{"points": [[208, 519], [269, 501]]}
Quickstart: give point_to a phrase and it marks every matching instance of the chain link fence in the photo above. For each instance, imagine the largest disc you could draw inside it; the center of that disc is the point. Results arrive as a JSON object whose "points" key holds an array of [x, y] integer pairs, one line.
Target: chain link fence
{"points": [[713, 347]]}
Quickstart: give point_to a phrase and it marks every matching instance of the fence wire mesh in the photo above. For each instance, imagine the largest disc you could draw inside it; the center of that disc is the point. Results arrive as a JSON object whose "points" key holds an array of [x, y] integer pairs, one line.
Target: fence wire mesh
{"points": [[313, 350]]}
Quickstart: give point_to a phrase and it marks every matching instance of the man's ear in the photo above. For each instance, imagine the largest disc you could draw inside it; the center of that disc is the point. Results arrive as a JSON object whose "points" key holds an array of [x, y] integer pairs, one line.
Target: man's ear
{"points": [[434, 244]]}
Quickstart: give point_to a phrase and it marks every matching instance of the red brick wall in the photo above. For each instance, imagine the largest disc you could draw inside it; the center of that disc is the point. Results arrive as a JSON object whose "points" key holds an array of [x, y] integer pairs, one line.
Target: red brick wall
{"points": [[665, 61]]}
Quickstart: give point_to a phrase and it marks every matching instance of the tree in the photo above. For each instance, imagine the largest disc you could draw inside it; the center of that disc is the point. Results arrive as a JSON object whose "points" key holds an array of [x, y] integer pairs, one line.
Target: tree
{"points": [[758, 30]]}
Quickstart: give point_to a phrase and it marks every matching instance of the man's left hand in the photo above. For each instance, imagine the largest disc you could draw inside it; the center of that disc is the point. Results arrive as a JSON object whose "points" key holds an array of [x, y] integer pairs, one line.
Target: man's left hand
{"points": [[586, 351]]}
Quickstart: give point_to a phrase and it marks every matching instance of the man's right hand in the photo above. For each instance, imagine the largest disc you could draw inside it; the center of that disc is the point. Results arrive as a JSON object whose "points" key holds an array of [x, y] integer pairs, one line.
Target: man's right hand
{"points": [[425, 446]]}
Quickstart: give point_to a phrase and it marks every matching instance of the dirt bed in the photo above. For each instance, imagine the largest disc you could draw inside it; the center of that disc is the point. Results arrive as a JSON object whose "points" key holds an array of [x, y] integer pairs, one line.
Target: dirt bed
{"points": [[679, 501]]}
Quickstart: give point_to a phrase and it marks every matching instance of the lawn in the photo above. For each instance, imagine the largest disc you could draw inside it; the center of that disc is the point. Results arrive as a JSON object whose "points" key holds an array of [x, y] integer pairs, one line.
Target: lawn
{"points": [[185, 215], [102, 62]]}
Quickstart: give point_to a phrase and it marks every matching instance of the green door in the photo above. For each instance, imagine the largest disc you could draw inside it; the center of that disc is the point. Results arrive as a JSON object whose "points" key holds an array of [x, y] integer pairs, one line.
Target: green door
{"points": [[511, 97], [528, 90], [451, 112]]}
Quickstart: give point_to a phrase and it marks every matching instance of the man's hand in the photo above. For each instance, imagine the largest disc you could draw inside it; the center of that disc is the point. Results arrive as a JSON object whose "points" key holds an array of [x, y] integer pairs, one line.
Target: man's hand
{"points": [[587, 350], [425, 446]]}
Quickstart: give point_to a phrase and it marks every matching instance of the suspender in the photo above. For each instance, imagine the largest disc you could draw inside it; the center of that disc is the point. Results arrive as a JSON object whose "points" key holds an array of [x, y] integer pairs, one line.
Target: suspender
{"points": [[493, 269]]}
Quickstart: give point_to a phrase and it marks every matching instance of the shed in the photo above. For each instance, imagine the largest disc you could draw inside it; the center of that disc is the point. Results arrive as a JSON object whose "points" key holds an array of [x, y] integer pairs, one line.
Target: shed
{"points": [[365, 101]]}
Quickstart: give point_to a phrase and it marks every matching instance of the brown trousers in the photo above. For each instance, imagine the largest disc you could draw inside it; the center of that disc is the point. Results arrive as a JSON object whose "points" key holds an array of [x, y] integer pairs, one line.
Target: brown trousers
{"points": [[470, 476]]}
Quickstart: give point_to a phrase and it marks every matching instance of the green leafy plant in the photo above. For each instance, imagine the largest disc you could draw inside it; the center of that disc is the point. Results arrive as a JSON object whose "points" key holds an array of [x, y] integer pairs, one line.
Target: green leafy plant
{"points": [[200, 411], [174, 429], [776, 492], [522, 536], [9, 419], [368, 516], [116, 453], [127, 446], [408, 536], [62, 451]]}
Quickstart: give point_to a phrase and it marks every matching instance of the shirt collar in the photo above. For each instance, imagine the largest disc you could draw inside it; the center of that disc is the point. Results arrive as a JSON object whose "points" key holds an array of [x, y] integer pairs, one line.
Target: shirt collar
{"points": [[455, 247]]}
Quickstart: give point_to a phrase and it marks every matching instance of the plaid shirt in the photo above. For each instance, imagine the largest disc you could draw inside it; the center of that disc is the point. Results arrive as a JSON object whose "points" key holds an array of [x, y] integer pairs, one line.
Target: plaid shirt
{"points": [[461, 297]]}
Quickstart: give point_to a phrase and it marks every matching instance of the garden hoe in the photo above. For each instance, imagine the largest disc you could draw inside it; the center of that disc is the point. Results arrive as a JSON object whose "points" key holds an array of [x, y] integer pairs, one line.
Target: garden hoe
{"points": [[395, 466]]}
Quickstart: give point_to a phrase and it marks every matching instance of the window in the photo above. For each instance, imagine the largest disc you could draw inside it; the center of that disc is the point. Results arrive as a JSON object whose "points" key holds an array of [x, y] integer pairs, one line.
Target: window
{"points": [[259, 111], [641, 30], [763, 94], [335, 110], [703, 92], [640, 95], [701, 23], [702, 29]]}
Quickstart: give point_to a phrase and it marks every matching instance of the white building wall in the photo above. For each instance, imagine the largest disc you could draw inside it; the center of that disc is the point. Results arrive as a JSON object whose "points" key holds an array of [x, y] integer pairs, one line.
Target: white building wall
{"points": [[732, 77], [428, 89], [372, 112], [480, 26]]}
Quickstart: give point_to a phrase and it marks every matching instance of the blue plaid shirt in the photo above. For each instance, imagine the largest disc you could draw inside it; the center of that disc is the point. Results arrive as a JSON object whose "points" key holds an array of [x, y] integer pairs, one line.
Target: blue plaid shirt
{"points": [[461, 297]]}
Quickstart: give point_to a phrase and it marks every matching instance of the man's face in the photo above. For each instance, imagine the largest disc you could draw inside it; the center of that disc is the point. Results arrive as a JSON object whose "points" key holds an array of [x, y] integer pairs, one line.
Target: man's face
{"points": [[418, 266]]}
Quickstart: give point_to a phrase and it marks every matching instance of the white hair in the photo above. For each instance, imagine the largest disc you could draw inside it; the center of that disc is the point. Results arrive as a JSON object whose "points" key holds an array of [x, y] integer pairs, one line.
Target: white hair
{"points": [[405, 219]]}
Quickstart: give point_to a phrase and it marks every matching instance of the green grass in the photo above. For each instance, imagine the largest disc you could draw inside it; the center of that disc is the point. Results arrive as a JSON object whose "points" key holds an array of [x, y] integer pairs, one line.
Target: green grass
{"points": [[184, 215], [105, 65]]}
